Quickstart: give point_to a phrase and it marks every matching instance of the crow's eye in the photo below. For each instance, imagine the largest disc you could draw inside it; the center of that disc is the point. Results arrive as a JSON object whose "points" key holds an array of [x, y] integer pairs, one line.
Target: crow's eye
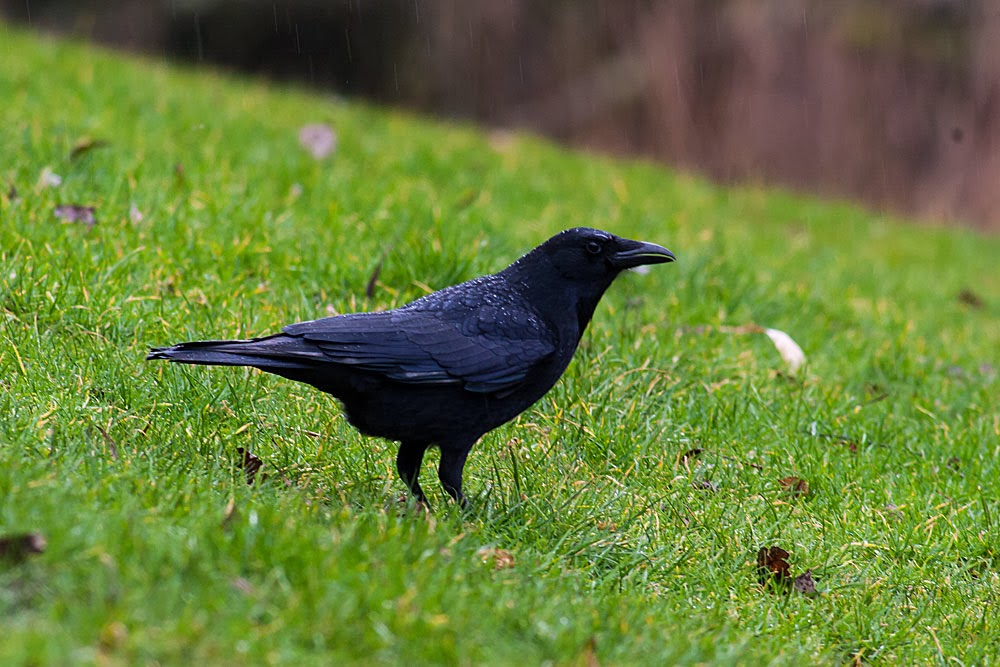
{"points": [[594, 248]]}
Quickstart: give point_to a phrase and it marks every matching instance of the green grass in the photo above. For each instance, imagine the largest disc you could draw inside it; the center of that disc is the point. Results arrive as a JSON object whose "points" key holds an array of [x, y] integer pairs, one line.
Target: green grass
{"points": [[160, 553]]}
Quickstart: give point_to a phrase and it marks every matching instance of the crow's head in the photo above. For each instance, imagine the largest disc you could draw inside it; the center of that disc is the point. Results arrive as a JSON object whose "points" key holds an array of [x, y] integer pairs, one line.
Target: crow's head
{"points": [[590, 254], [574, 268]]}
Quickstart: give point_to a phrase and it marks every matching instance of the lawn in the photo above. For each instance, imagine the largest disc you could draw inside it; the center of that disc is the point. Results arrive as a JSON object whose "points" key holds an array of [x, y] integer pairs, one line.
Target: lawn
{"points": [[616, 522]]}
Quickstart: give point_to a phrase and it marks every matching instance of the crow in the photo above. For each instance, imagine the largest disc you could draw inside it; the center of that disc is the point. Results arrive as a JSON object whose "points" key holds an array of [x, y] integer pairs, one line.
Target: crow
{"points": [[447, 368]]}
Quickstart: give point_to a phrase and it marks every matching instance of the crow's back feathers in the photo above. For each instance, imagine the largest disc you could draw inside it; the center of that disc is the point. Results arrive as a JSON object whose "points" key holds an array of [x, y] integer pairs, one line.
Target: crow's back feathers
{"points": [[444, 338]]}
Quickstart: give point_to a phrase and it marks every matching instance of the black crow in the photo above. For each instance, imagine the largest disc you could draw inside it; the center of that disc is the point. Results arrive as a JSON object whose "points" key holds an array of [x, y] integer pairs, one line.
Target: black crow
{"points": [[450, 366]]}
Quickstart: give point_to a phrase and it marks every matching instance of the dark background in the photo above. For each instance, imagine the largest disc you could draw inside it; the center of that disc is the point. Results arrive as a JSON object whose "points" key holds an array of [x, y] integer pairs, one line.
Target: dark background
{"points": [[892, 102]]}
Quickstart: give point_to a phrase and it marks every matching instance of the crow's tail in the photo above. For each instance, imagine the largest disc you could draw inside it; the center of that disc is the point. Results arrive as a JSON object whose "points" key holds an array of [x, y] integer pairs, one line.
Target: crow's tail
{"points": [[270, 352]]}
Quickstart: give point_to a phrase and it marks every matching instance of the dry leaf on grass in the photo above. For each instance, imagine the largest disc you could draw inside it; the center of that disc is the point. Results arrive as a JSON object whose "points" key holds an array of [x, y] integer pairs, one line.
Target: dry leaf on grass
{"points": [[804, 583], [134, 214], [49, 179], [69, 213], [772, 565], [17, 547], [789, 350], [967, 297], [690, 455], [500, 558], [794, 486], [250, 462], [84, 146], [319, 139], [774, 573]]}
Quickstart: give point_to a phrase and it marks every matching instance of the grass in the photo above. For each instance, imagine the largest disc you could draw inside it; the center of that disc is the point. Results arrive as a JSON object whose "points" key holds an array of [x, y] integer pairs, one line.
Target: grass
{"points": [[592, 537]]}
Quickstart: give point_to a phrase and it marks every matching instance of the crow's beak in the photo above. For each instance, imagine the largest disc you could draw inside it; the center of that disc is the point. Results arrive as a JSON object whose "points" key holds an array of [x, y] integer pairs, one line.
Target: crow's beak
{"points": [[637, 253]]}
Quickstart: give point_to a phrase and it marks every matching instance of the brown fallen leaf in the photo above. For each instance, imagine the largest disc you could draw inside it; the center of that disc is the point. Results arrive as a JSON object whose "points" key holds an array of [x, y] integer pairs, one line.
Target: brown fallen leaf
{"points": [[589, 656], [804, 584], [501, 558], [69, 213], [17, 547], [250, 462], [690, 455], [84, 146], [794, 486], [772, 565], [774, 573], [967, 297]]}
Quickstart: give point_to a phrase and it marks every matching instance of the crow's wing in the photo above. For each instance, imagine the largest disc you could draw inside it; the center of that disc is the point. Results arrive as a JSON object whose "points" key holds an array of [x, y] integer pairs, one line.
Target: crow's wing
{"points": [[485, 349]]}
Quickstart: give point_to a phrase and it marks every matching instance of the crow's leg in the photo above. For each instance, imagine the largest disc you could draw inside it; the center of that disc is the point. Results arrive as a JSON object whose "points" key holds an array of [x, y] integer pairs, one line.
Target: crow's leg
{"points": [[450, 472], [408, 461]]}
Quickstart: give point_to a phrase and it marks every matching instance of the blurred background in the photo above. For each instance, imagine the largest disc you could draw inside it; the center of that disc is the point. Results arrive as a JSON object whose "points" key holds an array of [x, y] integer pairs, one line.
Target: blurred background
{"points": [[895, 103]]}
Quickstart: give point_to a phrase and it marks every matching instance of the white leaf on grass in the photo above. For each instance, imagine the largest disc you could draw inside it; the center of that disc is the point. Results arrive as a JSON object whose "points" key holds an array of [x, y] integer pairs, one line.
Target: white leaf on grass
{"points": [[787, 348], [76, 213], [318, 139], [49, 179]]}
